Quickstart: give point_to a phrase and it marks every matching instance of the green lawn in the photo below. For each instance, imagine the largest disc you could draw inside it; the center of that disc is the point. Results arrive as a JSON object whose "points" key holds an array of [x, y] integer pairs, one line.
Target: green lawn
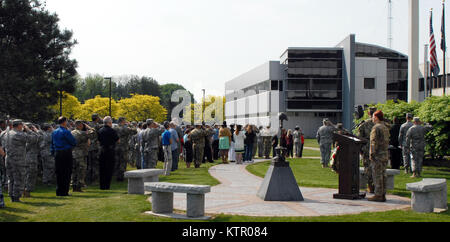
{"points": [[311, 153], [117, 206], [309, 173], [95, 205], [311, 143]]}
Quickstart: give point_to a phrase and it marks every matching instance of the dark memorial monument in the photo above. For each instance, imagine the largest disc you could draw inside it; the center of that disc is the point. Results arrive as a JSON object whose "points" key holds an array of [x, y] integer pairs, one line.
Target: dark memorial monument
{"points": [[279, 183], [348, 157]]}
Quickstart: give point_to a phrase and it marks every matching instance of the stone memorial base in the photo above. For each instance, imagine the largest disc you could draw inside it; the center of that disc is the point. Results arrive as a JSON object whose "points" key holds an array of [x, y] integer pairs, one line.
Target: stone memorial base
{"points": [[279, 184]]}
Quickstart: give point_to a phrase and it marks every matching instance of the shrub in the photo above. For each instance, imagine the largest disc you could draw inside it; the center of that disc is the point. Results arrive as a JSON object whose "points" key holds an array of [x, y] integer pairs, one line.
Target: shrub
{"points": [[434, 110]]}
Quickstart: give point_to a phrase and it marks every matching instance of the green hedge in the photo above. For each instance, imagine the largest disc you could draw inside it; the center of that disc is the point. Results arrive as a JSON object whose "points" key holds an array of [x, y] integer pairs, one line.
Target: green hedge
{"points": [[434, 110]]}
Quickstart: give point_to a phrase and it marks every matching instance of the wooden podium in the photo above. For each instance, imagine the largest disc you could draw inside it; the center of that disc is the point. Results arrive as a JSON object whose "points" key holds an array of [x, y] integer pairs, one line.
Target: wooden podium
{"points": [[348, 157]]}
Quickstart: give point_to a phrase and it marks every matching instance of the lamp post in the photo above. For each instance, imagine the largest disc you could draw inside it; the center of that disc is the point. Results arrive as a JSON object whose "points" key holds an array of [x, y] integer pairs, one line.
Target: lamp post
{"points": [[203, 106], [110, 93], [60, 94]]}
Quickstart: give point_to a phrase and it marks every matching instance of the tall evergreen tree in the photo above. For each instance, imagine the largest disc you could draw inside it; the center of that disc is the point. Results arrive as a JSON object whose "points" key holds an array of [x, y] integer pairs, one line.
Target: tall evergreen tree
{"points": [[35, 63]]}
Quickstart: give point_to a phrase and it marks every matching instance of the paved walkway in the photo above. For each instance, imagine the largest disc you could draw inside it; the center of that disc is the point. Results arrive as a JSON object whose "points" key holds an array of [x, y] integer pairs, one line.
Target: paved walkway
{"points": [[236, 195]]}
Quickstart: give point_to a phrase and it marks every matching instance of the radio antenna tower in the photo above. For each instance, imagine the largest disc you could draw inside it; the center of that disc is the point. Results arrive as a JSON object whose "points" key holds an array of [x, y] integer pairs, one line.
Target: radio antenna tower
{"points": [[390, 38]]}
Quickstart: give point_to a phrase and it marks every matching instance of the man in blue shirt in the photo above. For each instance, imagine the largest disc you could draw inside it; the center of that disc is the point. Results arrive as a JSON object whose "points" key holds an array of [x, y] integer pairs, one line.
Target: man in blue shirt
{"points": [[167, 149], [62, 144]]}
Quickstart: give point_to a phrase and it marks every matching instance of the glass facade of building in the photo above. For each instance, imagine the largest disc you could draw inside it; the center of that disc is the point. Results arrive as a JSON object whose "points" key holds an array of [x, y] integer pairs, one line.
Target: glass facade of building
{"points": [[313, 79], [397, 69]]}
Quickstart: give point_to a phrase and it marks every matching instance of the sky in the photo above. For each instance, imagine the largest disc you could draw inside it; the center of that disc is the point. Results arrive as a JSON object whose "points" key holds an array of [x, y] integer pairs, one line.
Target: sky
{"points": [[201, 44]]}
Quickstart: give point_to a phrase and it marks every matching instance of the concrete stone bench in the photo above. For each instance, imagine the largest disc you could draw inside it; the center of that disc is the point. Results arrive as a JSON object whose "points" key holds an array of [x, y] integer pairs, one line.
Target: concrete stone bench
{"points": [[428, 194], [390, 173], [162, 197], [137, 178]]}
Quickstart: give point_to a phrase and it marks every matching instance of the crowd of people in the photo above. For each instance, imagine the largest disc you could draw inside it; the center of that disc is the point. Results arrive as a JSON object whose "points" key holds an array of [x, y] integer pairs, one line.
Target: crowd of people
{"points": [[386, 142], [79, 153]]}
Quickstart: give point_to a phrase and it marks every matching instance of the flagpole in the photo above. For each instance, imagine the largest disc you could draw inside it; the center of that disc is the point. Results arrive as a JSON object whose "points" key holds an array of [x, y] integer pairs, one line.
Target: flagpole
{"points": [[444, 46], [431, 69], [425, 73]]}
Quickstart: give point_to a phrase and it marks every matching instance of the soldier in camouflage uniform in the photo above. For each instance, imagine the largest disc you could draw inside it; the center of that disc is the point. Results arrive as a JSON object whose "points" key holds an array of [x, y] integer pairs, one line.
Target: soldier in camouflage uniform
{"points": [[122, 148], [363, 131], [2, 201], [325, 139], [32, 153], [415, 143], [3, 178], [94, 151], [82, 135], [48, 161], [150, 144], [16, 140], [134, 148], [379, 156], [402, 141], [198, 143]]}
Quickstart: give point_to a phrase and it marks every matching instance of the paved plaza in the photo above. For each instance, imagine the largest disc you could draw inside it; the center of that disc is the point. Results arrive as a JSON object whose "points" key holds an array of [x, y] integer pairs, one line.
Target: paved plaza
{"points": [[236, 195]]}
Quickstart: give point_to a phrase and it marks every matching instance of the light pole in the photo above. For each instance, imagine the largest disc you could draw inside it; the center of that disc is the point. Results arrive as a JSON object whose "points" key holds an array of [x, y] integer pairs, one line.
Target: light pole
{"points": [[110, 93], [203, 106], [60, 94]]}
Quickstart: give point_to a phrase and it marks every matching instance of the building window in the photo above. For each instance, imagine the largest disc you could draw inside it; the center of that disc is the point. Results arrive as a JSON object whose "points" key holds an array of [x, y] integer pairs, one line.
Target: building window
{"points": [[369, 83], [274, 86]]}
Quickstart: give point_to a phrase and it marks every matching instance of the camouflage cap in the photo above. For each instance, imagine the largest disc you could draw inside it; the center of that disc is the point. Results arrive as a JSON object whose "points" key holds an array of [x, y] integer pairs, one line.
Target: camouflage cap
{"points": [[409, 115], [16, 122], [121, 119], [95, 116], [149, 121], [416, 119]]}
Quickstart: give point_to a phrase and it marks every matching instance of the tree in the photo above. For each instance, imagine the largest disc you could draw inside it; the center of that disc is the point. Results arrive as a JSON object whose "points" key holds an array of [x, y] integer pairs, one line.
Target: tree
{"points": [[100, 106], [436, 111], [93, 85], [166, 96], [70, 105], [35, 63], [142, 107]]}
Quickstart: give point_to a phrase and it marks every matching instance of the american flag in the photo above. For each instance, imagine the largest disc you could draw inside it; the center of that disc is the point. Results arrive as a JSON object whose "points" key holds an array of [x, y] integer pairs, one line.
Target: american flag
{"points": [[434, 66]]}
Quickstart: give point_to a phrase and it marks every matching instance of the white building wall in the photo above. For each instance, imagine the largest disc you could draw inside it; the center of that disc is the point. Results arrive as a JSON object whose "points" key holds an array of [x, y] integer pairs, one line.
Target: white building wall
{"points": [[262, 110], [370, 68]]}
